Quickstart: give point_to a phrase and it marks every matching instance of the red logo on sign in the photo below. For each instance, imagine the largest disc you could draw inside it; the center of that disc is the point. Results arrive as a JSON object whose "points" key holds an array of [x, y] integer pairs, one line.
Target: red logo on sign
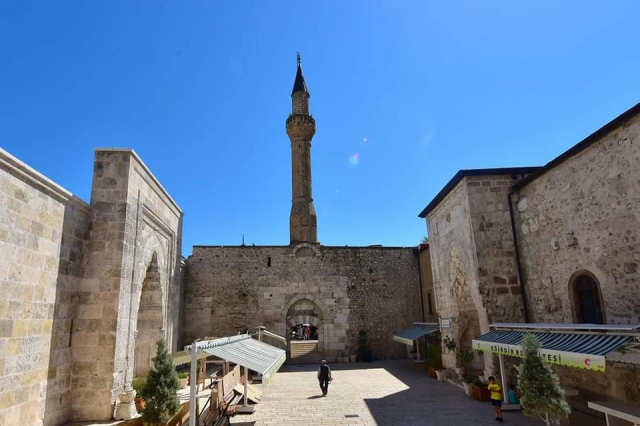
{"points": [[587, 362]]}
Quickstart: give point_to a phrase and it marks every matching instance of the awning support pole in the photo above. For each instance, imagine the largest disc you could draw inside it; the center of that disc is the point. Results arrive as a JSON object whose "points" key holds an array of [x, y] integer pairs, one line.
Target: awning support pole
{"points": [[503, 377], [194, 380], [246, 386]]}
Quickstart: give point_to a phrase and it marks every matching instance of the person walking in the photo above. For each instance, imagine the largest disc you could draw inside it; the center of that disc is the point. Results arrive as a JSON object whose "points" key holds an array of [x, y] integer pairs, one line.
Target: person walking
{"points": [[324, 377]]}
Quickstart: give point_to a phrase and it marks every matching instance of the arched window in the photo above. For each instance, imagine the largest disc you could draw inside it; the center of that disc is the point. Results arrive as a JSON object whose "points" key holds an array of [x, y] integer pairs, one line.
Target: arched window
{"points": [[586, 300]]}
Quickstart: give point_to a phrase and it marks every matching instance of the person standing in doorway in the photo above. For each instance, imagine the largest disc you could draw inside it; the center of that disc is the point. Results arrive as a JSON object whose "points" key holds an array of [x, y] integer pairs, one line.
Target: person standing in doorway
{"points": [[324, 377], [496, 397]]}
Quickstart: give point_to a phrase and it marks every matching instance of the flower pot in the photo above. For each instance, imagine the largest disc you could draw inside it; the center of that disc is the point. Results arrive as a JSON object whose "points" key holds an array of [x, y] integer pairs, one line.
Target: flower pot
{"points": [[467, 388], [460, 372], [140, 404], [432, 372], [441, 375], [481, 393], [183, 382], [352, 358]]}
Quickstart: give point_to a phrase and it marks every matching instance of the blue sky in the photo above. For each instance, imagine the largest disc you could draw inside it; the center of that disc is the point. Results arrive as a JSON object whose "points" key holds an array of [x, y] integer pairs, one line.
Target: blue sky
{"points": [[201, 90]]}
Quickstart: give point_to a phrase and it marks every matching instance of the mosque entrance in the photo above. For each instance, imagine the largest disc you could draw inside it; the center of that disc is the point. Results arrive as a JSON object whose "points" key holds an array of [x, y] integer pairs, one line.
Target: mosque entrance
{"points": [[304, 332]]}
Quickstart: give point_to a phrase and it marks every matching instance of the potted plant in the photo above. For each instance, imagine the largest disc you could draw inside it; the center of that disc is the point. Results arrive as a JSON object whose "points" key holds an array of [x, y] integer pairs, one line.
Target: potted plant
{"points": [[160, 388], [364, 351], [138, 385], [200, 373], [467, 383], [183, 378], [434, 359], [449, 343], [465, 358], [541, 394], [479, 391]]}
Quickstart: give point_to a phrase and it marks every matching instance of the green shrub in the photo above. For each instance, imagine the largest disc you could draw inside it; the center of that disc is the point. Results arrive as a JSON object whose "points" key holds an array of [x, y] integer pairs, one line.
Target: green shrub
{"points": [[138, 385], [182, 375], [161, 388]]}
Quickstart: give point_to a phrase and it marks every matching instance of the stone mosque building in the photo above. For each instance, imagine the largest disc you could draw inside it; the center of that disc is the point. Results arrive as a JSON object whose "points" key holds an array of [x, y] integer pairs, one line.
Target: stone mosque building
{"points": [[88, 288], [338, 291]]}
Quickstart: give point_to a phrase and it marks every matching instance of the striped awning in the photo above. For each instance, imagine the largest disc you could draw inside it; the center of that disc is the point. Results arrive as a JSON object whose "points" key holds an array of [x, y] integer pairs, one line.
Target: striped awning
{"points": [[573, 349], [246, 352], [417, 330], [184, 357]]}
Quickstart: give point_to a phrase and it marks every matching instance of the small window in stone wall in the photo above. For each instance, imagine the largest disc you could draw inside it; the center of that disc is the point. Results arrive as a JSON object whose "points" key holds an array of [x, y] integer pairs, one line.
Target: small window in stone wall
{"points": [[586, 300]]}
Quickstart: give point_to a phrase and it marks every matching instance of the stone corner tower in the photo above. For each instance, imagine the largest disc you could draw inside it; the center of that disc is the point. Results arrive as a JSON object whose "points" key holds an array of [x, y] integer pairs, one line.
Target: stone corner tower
{"points": [[301, 127]]}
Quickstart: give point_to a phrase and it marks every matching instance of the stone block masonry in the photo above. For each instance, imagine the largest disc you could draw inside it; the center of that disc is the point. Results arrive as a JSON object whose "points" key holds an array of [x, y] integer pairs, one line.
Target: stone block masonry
{"points": [[341, 289], [583, 217], [42, 231], [72, 277], [134, 234], [473, 259]]}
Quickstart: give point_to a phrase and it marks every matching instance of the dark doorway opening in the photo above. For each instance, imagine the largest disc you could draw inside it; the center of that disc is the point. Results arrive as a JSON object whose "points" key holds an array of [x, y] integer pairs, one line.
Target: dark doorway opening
{"points": [[304, 332]]}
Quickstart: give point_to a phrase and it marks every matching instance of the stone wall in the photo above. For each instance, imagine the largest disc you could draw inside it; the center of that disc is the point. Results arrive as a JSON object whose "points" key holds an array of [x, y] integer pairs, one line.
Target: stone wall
{"points": [[348, 289], [42, 228], [473, 262], [426, 280], [135, 227], [583, 215], [454, 267], [493, 239]]}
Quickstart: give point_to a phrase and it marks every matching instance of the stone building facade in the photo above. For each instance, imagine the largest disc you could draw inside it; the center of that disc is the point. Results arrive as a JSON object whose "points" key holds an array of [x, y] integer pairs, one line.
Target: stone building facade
{"points": [[578, 230], [554, 244], [74, 275], [472, 257], [340, 290]]}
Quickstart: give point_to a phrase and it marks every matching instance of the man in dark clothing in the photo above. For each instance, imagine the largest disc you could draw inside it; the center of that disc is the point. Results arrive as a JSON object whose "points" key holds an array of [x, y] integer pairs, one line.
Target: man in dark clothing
{"points": [[324, 376]]}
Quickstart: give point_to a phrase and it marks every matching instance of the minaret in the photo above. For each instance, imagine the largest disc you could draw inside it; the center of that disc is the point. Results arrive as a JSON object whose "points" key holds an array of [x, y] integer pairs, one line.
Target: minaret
{"points": [[301, 127]]}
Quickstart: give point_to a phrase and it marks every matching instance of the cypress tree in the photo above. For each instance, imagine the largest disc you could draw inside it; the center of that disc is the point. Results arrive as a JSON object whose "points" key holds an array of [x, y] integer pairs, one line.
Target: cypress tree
{"points": [[540, 392], [161, 387]]}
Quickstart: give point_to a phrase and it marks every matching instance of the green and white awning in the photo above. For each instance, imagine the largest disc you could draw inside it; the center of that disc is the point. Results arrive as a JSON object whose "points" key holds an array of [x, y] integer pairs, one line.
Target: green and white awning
{"points": [[417, 330], [247, 352], [581, 346]]}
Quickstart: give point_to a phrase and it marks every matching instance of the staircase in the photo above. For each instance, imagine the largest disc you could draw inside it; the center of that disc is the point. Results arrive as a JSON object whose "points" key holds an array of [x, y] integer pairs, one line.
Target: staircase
{"points": [[305, 352]]}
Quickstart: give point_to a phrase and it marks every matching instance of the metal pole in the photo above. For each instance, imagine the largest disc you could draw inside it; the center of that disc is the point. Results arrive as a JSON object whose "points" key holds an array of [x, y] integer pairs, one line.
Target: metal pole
{"points": [[246, 386], [503, 377], [194, 380]]}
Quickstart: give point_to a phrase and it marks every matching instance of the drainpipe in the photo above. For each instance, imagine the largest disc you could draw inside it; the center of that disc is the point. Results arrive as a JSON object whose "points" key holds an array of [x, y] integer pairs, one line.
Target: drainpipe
{"points": [[517, 252]]}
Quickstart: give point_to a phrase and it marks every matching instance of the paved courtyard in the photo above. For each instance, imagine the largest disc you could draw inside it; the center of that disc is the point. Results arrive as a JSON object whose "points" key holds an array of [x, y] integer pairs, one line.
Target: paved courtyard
{"points": [[378, 393]]}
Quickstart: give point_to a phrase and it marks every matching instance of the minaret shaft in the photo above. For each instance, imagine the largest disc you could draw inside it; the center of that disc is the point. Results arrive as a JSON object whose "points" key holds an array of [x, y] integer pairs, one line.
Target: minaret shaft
{"points": [[301, 127]]}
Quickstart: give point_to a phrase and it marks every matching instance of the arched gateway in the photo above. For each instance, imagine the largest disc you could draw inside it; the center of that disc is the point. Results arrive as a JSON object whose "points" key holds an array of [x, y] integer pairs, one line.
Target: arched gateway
{"points": [[304, 330]]}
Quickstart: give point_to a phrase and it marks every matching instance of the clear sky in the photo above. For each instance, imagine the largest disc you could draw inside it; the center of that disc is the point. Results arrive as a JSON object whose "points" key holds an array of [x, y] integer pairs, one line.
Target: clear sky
{"points": [[404, 93]]}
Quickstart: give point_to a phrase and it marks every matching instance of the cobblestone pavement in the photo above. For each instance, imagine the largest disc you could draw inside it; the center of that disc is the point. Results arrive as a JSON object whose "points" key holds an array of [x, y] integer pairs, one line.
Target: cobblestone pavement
{"points": [[394, 393]]}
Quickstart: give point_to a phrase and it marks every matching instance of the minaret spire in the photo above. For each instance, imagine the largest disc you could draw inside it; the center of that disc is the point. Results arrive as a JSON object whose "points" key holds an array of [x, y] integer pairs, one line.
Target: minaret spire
{"points": [[301, 127], [299, 84]]}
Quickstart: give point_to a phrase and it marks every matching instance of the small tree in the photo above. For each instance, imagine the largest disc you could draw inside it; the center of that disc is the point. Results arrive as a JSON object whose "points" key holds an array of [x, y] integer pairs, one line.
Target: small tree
{"points": [[540, 392], [160, 388]]}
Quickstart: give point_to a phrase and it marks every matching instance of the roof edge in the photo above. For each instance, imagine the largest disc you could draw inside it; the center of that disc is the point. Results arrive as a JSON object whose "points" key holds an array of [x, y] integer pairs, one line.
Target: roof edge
{"points": [[581, 146], [468, 173]]}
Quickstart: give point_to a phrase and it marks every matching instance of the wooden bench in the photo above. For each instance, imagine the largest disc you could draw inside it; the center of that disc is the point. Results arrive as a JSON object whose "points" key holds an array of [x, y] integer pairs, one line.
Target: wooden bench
{"points": [[617, 413]]}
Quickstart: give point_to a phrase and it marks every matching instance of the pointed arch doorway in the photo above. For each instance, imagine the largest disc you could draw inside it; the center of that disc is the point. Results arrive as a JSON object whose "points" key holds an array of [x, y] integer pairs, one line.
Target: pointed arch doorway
{"points": [[150, 321], [304, 331]]}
